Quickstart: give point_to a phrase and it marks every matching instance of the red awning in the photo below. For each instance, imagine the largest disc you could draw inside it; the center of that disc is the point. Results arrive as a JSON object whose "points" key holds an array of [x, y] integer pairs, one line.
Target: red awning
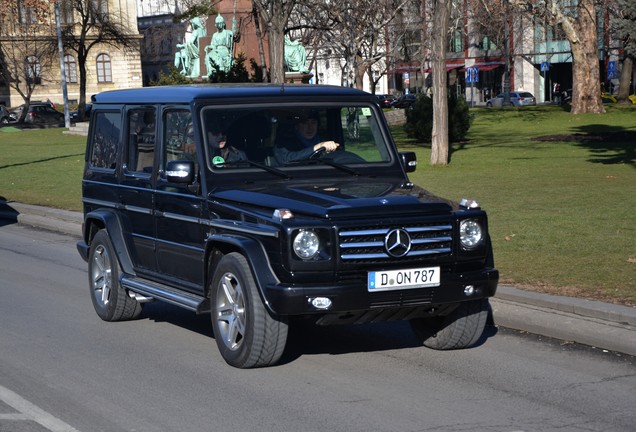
{"points": [[483, 67]]}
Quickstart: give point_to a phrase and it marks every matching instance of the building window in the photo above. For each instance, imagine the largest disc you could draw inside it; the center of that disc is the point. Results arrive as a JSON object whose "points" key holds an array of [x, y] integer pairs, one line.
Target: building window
{"points": [[33, 70], [26, 14], [104, 74], [70, 67], [66, 12], [99, 10]]}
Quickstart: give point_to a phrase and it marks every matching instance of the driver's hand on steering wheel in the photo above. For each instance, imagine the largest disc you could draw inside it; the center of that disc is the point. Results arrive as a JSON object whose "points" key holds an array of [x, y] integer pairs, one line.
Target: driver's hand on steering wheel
{"points": [[329, 146]]}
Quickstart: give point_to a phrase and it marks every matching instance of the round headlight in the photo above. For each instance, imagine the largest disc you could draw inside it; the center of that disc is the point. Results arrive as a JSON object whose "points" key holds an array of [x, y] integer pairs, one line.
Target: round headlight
{"points": [[306, 244], [470, 234]]}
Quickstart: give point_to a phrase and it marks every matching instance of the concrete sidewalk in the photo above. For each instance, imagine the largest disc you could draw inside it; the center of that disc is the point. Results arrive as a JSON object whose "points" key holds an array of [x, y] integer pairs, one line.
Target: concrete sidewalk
{"points": [[601, 325]]}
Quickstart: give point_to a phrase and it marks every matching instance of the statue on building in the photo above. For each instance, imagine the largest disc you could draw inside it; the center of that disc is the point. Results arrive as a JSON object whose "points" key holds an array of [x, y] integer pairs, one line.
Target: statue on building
{"points": [[295, 56], [218, 55], [187, 58]]}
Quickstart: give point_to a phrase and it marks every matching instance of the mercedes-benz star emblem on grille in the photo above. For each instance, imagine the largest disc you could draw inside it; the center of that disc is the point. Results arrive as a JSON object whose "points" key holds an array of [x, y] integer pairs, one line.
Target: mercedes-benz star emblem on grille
{"points": [[397, 243]]}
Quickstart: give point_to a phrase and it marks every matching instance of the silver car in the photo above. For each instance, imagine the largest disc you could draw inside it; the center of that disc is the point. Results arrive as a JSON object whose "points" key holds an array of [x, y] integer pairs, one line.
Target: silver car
{"points": [[516, 99]]}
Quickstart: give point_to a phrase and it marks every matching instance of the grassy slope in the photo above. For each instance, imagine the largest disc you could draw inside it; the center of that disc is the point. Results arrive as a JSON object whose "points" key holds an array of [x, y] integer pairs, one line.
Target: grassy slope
{"points": [[560, 212]]}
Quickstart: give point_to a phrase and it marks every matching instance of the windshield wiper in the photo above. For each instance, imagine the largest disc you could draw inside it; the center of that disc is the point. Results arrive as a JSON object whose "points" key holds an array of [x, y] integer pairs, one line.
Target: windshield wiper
{"points": [[324, 161], [257, 165]]}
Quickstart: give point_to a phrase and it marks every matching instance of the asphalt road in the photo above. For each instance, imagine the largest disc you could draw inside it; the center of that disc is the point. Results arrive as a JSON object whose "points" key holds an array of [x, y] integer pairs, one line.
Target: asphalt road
{"points": [[63, 369]]}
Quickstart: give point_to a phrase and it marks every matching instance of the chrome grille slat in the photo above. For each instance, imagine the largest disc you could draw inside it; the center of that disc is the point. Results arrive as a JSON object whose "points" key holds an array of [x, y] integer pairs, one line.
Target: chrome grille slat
{"points": [[367, 243]]}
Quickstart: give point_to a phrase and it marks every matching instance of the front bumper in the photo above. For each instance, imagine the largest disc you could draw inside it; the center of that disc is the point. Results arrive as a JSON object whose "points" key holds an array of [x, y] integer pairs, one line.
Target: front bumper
{"points": [[296, 300]]}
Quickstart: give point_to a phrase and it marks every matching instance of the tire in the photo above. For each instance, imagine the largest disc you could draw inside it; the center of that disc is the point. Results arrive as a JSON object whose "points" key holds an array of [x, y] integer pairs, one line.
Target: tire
{"points": [[462, 328], [110, 300], [247, 335], [489, 104]]}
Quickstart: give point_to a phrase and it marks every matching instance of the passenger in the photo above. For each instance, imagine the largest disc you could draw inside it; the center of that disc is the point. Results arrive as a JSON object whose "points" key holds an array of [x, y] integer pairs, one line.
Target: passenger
{"points": [[220, 151], [302, 142]]}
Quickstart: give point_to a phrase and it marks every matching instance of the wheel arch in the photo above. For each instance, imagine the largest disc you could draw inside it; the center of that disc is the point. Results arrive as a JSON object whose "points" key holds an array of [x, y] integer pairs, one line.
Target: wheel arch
{"points": [[219, 245], [108, 220]]}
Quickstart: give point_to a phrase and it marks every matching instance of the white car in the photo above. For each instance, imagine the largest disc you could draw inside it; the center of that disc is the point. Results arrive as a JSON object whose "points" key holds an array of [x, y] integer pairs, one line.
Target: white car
{"points": [[516, 99]]}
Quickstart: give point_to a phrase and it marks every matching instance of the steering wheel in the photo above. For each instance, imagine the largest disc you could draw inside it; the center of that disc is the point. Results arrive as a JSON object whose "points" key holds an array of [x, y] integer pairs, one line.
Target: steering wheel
{"points": [[318, 153]]}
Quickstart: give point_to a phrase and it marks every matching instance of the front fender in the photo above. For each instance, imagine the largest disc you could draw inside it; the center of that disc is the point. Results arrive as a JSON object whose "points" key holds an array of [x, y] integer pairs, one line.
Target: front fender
{"points": [[255, 254]]}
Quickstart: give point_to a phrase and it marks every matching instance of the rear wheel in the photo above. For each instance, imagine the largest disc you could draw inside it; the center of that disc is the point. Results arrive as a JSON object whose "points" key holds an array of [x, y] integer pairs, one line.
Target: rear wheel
{"points": [[110, 300], [462, 328], [246, 334]]}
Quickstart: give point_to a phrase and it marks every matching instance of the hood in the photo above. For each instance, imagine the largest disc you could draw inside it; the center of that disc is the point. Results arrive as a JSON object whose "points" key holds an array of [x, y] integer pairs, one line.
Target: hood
{"points": [[339, 199]]}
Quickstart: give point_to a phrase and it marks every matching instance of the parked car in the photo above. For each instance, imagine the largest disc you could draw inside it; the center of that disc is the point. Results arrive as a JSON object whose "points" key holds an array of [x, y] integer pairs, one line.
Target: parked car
{"points": [[39, 113], [517, 99], [4, 115], [209, 198], [87, 113], [404, 101], [385, 100]]}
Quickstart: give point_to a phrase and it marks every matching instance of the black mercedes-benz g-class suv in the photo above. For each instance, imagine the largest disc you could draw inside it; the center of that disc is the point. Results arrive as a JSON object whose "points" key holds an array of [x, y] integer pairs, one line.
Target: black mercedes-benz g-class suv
{"points": [[259, 203]]}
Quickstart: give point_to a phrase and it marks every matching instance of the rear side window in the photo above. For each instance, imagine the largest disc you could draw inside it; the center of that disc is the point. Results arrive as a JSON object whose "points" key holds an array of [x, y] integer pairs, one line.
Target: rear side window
{"points": [[141, 139], [106, 140]]}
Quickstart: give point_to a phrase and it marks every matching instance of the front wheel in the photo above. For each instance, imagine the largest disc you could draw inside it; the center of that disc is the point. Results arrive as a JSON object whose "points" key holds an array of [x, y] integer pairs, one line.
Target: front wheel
{"points": [[246, 334], [462, 328], [110, 300]]}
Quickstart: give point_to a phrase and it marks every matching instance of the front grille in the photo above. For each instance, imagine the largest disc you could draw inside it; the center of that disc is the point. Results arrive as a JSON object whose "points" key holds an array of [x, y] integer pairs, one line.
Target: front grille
{"points": [[367, 245]]}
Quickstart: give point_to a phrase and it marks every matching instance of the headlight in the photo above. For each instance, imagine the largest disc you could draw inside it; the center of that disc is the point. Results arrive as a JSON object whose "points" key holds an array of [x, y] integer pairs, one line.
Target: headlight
{"points": [[470, 233], [306, 244]]}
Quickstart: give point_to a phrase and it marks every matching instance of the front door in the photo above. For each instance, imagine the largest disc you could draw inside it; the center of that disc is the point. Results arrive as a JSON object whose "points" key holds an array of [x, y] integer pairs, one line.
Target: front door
{"points": [[136, 193], [180, 238]]}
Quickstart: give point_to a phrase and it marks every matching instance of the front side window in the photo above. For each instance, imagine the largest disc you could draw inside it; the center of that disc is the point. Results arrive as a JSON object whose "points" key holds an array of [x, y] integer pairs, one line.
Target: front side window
{"points": [[105, 141], [293, 136], [104, 73], [178, 136]]}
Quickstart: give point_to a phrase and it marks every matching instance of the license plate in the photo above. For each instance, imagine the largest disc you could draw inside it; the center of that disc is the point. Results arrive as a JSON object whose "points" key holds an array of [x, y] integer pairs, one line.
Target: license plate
{"points": [[403, 279]]}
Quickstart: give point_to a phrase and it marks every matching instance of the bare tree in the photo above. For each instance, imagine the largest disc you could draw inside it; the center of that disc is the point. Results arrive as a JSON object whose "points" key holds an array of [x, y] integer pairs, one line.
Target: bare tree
{"points": [[439, 46], [580, 28], [275, 15], [95, 26], [26, 46]]}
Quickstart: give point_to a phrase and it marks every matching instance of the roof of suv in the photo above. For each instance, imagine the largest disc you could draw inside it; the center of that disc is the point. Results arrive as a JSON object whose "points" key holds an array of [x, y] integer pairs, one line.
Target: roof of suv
{"points": [[188, 93]]}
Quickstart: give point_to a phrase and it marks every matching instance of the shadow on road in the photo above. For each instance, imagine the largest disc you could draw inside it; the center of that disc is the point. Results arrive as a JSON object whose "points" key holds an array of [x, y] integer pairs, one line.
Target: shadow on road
{"points": [[306, 338]]}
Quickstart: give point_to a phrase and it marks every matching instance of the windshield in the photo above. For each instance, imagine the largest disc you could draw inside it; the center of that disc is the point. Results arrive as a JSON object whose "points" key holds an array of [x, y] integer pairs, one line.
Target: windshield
{"points": [[293, 136]]}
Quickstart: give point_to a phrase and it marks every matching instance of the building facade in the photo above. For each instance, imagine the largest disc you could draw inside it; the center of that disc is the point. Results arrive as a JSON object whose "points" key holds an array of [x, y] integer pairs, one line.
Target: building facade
{"points": [[24, 30]]}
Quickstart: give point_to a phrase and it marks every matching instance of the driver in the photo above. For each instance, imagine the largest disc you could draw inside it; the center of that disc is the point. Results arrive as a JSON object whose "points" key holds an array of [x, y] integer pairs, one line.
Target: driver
{"points": [[303, 141]]}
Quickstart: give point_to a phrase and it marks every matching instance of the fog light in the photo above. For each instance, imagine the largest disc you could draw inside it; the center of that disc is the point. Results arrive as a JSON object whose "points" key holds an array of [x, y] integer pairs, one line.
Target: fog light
{"points": [[321, 303], [469, 290]]}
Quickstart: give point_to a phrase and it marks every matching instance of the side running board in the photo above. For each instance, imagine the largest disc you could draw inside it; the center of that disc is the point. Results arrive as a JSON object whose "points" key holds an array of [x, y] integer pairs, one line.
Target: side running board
{"points": [[193, 302]]}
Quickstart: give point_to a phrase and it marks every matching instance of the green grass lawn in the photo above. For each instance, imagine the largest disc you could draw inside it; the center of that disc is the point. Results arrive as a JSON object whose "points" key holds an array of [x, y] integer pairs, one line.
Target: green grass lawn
{"points": [[560, 208], [42, 166], [560, 191]]}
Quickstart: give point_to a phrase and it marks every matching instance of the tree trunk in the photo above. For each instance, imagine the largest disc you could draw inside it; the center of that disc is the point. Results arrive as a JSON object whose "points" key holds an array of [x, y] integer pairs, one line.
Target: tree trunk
{"points": [[586, 88], [259, 37], [276, 56], [439, 139], [625, 79], [81, 108]]}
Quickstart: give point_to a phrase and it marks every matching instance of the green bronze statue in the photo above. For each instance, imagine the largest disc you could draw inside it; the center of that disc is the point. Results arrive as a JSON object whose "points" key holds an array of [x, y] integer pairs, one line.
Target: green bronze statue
{"points": [[295, 56], [219, 53], [187, 57]]}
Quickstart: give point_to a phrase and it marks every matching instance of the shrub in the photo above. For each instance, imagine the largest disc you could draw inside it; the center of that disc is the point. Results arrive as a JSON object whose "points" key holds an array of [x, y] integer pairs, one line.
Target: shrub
{"points": [[419, 119]]}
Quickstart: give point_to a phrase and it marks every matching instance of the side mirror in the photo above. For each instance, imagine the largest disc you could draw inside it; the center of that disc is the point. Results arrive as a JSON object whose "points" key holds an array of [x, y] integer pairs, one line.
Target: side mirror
{"points": [[409, 161], [181, 172]]}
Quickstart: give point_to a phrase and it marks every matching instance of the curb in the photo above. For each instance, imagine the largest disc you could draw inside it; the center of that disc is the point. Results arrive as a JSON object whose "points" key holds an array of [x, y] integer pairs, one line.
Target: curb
{"points": [[594, 323]]}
